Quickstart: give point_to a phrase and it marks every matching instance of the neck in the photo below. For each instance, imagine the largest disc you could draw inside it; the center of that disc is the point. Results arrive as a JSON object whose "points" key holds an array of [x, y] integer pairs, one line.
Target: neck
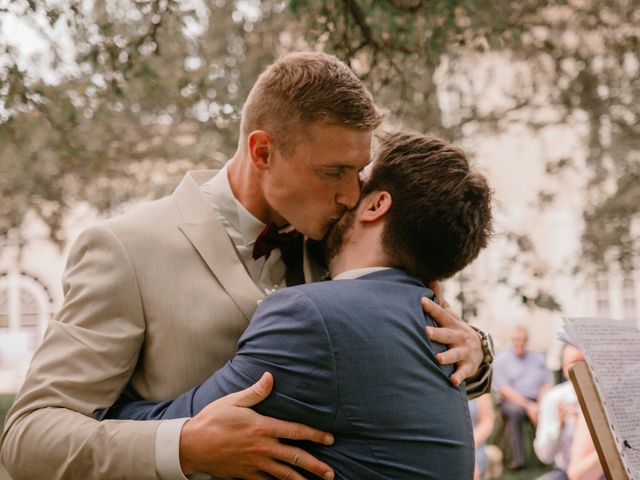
{"points": [[337, 267], [359, 251], [246, 187]]}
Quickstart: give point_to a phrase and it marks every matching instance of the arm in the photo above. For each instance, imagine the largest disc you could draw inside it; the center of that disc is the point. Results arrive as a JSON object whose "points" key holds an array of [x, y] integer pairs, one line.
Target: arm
{"points": [[510, 394], [547, 441], [543, 391], [465, 348], [85, 360], [287, 337], [486, 418], [584, 464], [530, 407]]}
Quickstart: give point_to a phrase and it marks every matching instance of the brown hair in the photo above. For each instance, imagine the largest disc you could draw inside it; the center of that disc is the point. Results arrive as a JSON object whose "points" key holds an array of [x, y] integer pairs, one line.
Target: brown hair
{"points": [[440, 215], [303, 88]]}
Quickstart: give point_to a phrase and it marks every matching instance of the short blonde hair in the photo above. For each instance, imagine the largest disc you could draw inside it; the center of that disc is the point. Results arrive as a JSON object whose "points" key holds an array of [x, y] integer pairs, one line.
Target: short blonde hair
{"points": [[303, 88]]}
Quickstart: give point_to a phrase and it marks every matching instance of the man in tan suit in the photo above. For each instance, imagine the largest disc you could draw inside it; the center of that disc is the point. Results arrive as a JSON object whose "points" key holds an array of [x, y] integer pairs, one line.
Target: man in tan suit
{"points": [[156, 299]]}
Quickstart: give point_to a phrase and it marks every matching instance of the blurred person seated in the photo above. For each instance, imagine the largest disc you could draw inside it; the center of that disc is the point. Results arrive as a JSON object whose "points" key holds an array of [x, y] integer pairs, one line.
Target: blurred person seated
{"points": [[558, 412], [521, 377], [584, 463], [483, 419]]}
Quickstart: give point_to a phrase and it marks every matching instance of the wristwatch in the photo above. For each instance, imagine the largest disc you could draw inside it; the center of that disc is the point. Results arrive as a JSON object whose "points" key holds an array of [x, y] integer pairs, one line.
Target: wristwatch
{"points": [[487, 346]]}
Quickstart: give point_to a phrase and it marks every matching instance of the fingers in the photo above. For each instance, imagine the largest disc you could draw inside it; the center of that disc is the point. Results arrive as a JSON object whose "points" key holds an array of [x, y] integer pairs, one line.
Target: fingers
{"points": [[252, 395], [451, 356], [463, 371], [456, 356], [445, 336], [299, 458], [296, 431], [455, 379], [443, 317], [464, 346]]}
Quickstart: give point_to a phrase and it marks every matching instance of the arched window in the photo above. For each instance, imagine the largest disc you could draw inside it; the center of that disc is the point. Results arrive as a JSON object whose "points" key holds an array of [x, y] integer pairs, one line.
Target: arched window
{"points": [[25, 309]]}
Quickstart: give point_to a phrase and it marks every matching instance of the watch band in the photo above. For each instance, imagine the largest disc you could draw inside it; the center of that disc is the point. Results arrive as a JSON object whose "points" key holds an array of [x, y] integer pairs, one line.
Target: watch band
{"points": [[487, 346]]}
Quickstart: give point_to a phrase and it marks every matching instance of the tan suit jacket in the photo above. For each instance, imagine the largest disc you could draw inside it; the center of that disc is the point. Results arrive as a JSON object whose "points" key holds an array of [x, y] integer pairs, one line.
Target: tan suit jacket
{"points": [[155, 300]]}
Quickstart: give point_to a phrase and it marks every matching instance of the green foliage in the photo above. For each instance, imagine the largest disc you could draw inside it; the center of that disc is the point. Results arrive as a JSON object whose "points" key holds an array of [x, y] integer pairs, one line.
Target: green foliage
{"points": [[609, 233], [131, 93], [582, 61], [149, 90]]}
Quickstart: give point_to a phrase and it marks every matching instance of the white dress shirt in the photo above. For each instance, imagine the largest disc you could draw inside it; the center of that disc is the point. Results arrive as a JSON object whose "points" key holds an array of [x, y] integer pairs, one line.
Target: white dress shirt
{"points": [[358, 272], [553, 443], [268, 273], [243, 229]]}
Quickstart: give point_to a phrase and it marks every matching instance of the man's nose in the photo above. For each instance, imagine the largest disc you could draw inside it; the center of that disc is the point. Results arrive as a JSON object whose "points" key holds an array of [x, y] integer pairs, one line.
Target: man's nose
{"points": [[349, 193]]}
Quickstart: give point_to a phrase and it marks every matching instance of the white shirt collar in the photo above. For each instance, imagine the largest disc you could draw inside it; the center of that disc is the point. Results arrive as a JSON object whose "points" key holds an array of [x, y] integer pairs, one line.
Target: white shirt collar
{"points": [[218, 191], [358, 272], [243, 230]]}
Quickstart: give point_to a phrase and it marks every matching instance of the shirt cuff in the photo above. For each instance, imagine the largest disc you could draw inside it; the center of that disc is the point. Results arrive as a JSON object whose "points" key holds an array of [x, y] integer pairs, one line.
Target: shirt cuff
{"points": [[168, 450]]}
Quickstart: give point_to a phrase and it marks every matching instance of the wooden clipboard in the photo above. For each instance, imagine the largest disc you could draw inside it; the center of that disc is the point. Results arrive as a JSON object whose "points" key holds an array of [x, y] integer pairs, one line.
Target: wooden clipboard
{"points": [[599, 429]]}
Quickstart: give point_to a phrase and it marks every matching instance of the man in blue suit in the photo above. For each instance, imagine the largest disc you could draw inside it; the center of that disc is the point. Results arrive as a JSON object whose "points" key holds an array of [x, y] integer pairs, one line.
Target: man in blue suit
{"points": [[350, 356]]}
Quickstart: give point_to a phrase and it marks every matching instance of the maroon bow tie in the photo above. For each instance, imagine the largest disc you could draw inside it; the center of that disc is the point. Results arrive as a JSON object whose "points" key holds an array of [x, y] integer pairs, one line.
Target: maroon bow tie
{"points": [[271, 238]]}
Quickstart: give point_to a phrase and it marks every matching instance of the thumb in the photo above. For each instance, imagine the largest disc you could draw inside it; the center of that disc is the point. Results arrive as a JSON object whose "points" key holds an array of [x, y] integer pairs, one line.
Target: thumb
{"points": [[253, 394]]}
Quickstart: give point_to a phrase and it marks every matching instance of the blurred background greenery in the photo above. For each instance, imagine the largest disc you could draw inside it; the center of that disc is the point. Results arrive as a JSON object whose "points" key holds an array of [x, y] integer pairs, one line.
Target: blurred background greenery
{"points": [[115, 99]]}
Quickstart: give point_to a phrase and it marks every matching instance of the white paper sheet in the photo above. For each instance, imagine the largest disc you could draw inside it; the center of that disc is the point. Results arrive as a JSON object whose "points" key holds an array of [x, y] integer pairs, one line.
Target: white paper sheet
{"points": [[612, 351]]}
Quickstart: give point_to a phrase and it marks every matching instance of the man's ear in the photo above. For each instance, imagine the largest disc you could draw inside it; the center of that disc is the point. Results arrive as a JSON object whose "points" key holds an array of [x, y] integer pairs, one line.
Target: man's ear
{"points": [[376, 206], [260, 149]]}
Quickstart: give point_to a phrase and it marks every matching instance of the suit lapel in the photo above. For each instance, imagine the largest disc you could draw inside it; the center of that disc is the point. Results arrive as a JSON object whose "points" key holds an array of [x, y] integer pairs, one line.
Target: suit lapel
{"points": [[208, 236]]}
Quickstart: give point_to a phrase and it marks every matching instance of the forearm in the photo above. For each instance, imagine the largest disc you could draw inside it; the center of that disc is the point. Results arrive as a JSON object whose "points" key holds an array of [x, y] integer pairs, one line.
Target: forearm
{"points": [[547, 443], [485, 419], [56, 443], [186, 405], [87, 356], [585, 468], [584, 464], [510, 395], [547, 440], [236, 375], [482, 432], [300, 372]]}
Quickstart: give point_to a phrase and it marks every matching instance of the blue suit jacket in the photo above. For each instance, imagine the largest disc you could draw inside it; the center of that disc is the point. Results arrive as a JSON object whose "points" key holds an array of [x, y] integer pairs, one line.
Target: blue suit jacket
{"points": [[350, 357]]}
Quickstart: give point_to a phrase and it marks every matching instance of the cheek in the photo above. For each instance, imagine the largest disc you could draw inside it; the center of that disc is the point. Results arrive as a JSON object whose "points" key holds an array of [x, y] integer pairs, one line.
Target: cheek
{"points": [[316, 203], [319, 191]]}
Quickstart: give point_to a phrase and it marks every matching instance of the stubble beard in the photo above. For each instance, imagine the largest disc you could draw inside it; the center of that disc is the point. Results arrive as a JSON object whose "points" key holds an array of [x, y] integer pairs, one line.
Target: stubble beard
{"points": [[338, 235]]}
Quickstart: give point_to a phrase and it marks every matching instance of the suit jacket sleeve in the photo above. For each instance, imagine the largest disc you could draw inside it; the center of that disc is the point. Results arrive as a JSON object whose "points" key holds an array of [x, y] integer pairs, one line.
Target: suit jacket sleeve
{"points": [[480, 382], [83, 363], [287, 337]]}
